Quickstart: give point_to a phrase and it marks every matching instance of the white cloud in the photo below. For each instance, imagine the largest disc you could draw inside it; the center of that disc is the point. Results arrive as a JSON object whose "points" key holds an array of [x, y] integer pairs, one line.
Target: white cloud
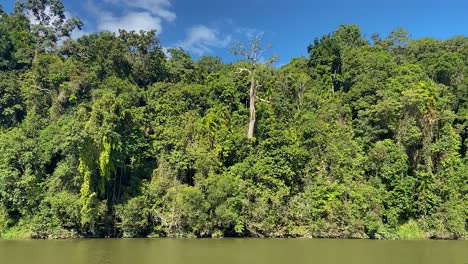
{"points": [[165, 49], [130, 21], [201, 39], [135, 14], [76, 34], [159, 8]]}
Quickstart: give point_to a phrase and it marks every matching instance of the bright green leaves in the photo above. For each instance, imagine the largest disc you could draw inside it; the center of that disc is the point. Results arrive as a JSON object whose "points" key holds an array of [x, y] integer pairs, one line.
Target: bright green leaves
{"points": [[184, 211], [87, 191], [105, 165], [105, 136]]}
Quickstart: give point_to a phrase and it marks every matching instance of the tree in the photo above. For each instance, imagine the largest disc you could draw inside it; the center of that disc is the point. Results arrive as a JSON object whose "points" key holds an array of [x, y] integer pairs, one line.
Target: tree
{"points": [[145, 55], [48, 21], [253, 53], [11, 101], [180, 66], [326, 53], [16, 44], [107, 137]]}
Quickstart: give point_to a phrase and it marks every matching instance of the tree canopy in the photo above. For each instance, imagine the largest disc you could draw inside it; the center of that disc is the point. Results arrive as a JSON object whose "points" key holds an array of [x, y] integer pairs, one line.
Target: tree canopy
{"points": [[107, 136]]}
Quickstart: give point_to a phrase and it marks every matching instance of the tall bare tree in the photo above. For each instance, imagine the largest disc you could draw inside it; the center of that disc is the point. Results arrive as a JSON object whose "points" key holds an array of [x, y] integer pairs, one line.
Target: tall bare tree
{"points": [[253, 53]]}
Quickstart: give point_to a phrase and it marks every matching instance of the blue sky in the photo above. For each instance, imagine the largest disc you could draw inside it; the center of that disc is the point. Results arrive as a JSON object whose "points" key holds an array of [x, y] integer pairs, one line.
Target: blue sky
{"points": [[211, 27]]}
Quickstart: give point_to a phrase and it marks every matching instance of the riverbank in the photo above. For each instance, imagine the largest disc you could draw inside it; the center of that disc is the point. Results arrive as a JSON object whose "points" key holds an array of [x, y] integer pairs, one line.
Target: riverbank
{"points": [[409, 231]]}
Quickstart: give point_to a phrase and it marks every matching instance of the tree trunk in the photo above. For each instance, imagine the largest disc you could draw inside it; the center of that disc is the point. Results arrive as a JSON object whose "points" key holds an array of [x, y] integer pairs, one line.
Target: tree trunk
{"points": [[250, 133]]}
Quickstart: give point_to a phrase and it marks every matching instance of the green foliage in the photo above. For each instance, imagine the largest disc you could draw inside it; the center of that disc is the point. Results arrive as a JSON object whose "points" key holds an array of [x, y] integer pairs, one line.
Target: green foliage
{"points": [[105, 165], [105, 136], [51, 24], [58, 217], [145, 56], [87, 196], [410, 230], [135, 217], [11, 101], [16, 43], [5, 220]]}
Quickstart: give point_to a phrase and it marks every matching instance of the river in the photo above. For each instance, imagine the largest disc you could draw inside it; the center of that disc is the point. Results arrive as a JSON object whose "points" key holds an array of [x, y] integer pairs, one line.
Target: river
{"points": [[227, 251]]}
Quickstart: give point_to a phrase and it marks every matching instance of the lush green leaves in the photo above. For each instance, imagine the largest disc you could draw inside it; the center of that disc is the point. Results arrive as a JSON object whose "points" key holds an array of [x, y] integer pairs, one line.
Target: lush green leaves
{"points": [[106, 136]]}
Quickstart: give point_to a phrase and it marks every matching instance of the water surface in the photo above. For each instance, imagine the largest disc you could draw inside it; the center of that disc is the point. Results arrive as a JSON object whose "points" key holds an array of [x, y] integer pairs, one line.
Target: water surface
{"points": [[210, 251]]}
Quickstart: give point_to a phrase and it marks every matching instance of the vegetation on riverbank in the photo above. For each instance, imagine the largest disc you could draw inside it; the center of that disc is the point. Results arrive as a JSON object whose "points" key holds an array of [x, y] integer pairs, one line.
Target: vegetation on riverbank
{"points": [[108, 136]]}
